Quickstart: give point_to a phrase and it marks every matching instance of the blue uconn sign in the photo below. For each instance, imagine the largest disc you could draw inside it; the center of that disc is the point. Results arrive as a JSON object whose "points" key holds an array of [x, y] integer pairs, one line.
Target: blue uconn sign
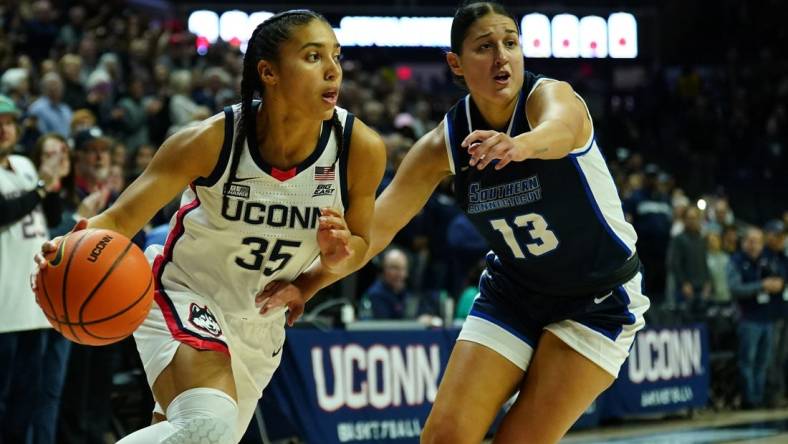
{"points": [[667, 370], [664, 355], [379, 386], [358, 386], [379, 376]]}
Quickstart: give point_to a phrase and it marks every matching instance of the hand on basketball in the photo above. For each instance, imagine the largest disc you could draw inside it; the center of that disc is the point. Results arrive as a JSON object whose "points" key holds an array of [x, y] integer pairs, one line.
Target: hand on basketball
{"points": [[486, 146], [333, 238], [281, 294], [48, 247]]}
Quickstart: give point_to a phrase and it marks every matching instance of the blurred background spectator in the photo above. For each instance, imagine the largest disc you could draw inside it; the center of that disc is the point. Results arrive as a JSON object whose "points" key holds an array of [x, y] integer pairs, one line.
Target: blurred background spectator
{"points": [[688, 262], [28, 204], [390, 298], [52, 114], [756, 285]]}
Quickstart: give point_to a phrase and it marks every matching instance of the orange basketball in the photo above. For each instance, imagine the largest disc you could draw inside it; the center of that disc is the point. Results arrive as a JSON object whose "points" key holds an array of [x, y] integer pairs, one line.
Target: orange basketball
{"points": [[97, 288]]}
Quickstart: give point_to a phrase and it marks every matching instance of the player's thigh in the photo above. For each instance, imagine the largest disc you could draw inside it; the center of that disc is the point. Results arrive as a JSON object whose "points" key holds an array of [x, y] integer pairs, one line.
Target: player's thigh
{"points": [[559, 386], [191, 368], [476, 383]]}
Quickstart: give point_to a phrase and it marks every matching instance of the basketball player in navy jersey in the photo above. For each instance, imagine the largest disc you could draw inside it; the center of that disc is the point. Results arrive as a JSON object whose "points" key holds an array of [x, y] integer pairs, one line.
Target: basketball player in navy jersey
{"points": [[560, 299], [270, 187]]}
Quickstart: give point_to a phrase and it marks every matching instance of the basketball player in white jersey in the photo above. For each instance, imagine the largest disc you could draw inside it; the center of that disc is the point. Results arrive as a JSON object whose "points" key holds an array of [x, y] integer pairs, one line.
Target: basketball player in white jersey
{"points": [[270, 187]]}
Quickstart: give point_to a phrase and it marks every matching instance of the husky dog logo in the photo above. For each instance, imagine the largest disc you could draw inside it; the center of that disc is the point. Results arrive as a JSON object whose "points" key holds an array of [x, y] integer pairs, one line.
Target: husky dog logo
{"points": [[203, 319]]}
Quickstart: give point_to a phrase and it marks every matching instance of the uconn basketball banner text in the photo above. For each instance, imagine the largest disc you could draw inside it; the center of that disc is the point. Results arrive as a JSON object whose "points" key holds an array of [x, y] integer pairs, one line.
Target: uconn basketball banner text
{"points": [[378, 386], [667, 369], [345, 387]]}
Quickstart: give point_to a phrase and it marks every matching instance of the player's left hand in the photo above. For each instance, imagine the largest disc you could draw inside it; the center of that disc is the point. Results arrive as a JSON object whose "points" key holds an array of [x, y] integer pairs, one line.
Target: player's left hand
{"points": [[48, 248], [281, 294], [333, 238], [484, 146]]}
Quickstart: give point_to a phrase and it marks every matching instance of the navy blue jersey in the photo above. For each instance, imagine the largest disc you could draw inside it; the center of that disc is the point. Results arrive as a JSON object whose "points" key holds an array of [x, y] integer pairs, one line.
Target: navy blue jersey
{"points": [[556, 227]]}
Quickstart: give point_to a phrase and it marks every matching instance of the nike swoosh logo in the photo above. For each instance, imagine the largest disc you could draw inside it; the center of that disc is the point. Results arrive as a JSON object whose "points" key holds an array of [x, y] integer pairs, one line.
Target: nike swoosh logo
{"points": [[244, 179], [59, 255], [273, 355], [600, 300]]}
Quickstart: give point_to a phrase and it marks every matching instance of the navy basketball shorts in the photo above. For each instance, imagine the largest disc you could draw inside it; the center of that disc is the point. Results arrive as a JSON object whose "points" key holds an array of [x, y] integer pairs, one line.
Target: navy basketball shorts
{"points": [[600, 327]]}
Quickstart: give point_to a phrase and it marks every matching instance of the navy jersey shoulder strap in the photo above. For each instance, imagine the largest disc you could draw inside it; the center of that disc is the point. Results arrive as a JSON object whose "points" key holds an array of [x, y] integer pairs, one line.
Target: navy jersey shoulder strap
{"points": [[343, 158], [224, 156]]}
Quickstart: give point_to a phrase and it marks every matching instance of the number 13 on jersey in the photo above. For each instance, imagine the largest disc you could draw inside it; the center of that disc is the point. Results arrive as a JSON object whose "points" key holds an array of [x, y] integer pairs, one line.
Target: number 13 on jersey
{"points": [[544, 240]]}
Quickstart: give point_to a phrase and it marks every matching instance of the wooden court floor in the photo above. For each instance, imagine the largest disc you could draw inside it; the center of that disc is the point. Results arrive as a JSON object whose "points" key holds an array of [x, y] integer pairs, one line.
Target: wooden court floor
{"points": [[756, 426]]}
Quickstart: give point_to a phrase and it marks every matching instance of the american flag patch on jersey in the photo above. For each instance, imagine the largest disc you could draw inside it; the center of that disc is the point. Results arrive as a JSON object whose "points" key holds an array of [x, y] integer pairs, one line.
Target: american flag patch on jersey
{"points": [[324, 173]]}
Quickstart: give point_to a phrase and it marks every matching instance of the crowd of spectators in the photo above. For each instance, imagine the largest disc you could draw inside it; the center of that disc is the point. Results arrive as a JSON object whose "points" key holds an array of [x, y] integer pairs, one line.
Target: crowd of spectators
{"points": [[94, 89]]}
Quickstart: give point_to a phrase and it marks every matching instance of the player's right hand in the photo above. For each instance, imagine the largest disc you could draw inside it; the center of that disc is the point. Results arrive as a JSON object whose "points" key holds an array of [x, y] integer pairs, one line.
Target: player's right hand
{"points": [[333, 238], [49, 247], [282, 294]]}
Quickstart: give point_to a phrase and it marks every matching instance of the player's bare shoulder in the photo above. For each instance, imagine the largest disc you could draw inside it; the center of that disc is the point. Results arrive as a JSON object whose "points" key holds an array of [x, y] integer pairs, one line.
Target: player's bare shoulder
{"points": [[200, 143], [367, 153], [366, 140]]}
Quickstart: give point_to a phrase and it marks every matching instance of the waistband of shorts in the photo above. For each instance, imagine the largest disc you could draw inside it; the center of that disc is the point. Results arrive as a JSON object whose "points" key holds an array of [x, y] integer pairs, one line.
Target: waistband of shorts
{"points": [[570, 291]]}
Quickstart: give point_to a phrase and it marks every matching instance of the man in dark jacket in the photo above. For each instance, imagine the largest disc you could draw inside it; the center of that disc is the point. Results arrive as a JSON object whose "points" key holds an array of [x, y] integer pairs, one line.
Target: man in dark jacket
{"points": [[778, 266], [753, 285]]}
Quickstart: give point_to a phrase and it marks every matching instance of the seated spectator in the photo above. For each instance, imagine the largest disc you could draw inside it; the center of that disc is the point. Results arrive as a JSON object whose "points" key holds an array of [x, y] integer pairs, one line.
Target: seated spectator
{"points": [[753, 286], [389, 298], [116, 180], [216, 83], [142, 157], [183, 110], [73, 92], [93, 161], [99, 97], [130, 116], [54, 116], [15, 84]]}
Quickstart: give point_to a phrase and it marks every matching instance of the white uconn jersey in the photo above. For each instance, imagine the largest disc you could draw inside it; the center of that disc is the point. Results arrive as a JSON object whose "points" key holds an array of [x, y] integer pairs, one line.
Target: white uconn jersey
{"points": [[229, 240], [19, 241]]}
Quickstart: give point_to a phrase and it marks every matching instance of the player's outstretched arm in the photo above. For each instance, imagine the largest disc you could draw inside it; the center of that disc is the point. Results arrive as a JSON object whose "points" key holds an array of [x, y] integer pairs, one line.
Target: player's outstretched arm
{"points": [[422, 169], [560, 125], [185, 156]]}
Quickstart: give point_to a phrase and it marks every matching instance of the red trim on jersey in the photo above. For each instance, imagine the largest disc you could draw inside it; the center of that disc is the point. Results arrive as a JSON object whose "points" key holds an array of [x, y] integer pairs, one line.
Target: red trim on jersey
{"points": [[283, 175], [164, 302]]}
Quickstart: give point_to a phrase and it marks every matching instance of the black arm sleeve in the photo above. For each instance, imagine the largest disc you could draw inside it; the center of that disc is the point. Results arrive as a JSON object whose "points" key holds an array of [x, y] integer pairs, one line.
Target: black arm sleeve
{"points": [[14, 209], [53, 209]]}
